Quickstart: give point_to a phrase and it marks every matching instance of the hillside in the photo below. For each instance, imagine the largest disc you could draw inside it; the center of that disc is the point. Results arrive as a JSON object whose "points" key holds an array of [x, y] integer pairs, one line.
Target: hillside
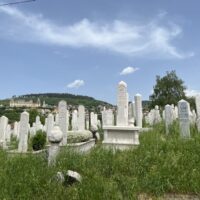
{"points": [[52, 99]]}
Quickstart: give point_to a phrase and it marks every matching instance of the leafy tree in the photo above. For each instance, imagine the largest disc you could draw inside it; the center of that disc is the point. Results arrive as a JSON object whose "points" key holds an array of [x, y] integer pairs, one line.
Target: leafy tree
{"points": [[168, 90]]}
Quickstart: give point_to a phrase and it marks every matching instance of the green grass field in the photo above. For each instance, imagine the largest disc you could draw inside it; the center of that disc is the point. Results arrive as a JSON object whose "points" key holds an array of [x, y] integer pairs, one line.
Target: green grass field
{"points": [[161, 164]]}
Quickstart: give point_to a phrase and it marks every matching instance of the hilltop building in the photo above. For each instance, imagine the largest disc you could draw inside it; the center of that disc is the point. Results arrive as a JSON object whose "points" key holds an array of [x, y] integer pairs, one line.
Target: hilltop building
{"points": [[23, 103]]}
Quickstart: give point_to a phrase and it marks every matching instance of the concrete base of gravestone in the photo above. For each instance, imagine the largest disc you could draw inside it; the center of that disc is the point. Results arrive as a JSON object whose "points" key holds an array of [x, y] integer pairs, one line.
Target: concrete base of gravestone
{"points": [[142, 130], [15, 152], [82, 147], [121, 137]]}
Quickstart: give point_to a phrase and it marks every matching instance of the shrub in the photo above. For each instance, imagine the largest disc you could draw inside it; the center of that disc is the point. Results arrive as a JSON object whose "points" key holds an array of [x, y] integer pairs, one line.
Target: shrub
{"points": [[38, 141]]}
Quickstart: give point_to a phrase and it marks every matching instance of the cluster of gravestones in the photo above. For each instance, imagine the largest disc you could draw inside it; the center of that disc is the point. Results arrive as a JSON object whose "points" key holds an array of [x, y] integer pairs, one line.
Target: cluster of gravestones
{"points": [[22, 129], [128, 113], [182, 112], [56, 127]]}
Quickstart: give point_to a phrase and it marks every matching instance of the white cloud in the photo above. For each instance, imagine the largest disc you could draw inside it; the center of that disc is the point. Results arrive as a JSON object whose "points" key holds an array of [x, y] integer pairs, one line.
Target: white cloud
{"points": [[118, 36], [192, 93], [128, 70], [76, 84]]}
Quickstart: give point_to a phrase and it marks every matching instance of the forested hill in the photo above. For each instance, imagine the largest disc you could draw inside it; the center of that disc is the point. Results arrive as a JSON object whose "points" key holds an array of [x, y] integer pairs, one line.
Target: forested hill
{"points": [[53, 99]]}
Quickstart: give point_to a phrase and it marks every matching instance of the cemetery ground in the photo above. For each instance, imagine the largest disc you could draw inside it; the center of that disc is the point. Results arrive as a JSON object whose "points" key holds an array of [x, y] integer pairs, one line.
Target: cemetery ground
{"points": [[162, 164]]}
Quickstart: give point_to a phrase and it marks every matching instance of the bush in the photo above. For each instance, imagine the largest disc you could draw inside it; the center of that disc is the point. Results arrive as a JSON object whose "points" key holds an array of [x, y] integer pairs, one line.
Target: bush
{"points": [[38, 141]]}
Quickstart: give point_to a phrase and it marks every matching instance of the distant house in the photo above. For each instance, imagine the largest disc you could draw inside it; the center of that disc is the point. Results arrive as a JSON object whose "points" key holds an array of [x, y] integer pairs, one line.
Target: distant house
{"points": [[23, 103]]}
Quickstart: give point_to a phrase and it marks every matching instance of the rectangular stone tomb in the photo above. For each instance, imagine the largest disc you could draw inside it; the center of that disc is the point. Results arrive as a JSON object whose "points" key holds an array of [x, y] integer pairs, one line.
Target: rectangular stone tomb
{"points": [[121, 137]]}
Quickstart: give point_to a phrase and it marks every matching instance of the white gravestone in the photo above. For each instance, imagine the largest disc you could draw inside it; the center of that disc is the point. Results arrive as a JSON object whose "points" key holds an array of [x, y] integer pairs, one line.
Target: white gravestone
{"points": [[81, 118], [75, 120], [8, 133], [62, 113], [131, 113], [122, 105], [23, 132], [197, 102], [168, 117], [50, 124], [3, 127], [184, 118], [93, 120], [15, 130], [138, 110]]}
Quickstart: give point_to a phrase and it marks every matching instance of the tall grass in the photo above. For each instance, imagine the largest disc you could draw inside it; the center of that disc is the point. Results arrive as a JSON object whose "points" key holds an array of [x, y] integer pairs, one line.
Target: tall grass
{"points": [[161, 164]]}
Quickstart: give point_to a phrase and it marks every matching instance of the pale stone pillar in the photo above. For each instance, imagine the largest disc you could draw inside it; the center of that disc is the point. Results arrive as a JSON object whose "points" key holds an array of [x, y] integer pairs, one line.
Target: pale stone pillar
{"points": [[138, 110], [23, 132], [62, 113], [184, 119], [122, 105]]}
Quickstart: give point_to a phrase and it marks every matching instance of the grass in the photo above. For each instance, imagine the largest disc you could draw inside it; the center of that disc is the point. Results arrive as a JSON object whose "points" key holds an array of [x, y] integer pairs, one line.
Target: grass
{"points": [[161, 164]]}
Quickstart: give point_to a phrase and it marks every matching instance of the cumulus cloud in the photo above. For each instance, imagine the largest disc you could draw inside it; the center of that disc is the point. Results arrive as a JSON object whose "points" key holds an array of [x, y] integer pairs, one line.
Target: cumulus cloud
{"points": [[128, 70], [192, 93], [76, 84], [118, 36]]}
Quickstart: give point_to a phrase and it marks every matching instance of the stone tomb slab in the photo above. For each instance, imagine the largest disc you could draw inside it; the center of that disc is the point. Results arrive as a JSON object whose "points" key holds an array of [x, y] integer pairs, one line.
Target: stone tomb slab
{"points": [[121, 137]]}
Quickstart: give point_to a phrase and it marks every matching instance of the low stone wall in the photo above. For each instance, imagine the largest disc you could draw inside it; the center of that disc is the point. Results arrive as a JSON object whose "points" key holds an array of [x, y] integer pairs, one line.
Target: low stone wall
{"points": [[81, 147], [42, 152]]}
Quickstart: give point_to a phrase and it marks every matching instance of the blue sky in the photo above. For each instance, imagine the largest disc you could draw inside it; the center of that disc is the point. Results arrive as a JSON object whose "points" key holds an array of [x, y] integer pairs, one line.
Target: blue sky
{"points": [[87, 47]]}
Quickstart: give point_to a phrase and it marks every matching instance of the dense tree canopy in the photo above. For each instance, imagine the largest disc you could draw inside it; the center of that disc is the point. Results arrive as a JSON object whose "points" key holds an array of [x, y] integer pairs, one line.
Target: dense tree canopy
{"points": [[169, 89]]}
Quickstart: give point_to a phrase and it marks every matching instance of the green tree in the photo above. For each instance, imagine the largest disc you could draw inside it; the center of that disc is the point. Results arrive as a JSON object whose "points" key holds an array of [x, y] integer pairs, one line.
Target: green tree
{"points": [[32, 115], [169, 89]]}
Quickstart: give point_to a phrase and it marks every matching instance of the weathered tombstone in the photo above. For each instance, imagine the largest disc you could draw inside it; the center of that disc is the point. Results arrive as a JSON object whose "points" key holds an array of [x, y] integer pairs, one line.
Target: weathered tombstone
{"points": [[8, 133], [50, 124], [157, 117], [122, 105], [87, 123], [18, 130], [96, 119], [138, 110], [193, 117], [32, 131], [3, 127], [175, 112], [197, 102], [168, 117], [15, 129], [109, 117], [131, 114], [23, 134], [75, 120], [103, 116], [62, 111], [184, 119], [38, 123], [55, 137], [163, 115], [45, 125], [92, 119]]}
